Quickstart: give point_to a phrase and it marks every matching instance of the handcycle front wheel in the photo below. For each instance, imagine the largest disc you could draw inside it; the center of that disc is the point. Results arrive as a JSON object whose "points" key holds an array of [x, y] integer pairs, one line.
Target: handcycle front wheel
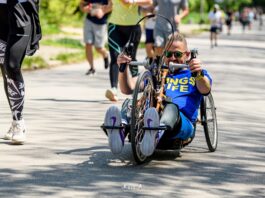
{"points": [[143, 98], [209, 121]]}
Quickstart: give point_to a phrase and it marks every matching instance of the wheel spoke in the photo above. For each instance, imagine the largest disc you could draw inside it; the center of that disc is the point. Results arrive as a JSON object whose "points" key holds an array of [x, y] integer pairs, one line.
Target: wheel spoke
{"points": [[142, 100], [210, 125]]}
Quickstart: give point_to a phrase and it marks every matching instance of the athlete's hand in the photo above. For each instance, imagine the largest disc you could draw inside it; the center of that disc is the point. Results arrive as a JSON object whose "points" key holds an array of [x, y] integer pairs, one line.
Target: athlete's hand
{"points": [[122, 58], [177, 19], [195, 65], [86, 8], [128, 1]]}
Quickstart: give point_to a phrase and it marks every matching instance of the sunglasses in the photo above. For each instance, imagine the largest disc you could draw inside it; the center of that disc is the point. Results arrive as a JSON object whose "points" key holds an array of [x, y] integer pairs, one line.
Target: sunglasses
{"points": [[177, 54]]}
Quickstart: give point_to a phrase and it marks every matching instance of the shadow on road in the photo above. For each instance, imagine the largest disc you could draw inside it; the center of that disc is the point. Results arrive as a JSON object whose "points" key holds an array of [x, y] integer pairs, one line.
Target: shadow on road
{"points": [[102, 167], [70, 101]]}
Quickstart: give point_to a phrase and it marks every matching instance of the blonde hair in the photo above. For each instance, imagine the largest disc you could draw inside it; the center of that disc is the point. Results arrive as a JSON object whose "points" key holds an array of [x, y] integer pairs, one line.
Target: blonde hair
{"points": [[177, 37]]}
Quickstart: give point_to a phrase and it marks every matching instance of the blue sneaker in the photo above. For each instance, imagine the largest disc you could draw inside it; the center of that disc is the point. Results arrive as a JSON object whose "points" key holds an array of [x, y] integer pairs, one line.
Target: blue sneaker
{"points": [[115, 136], [148, 143]]}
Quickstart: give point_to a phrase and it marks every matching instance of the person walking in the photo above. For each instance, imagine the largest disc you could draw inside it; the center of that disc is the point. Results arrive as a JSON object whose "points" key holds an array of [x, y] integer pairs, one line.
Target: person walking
{"points": [[215, 17], [228, 21], [19, 36], [244, 19], [149, 31], [172, 11], [95, 28], [260, 15], [122, 22]]}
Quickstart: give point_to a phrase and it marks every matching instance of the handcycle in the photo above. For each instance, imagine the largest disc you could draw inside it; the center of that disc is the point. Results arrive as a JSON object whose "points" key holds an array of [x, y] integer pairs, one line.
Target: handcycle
{"points": [[149, 83]]}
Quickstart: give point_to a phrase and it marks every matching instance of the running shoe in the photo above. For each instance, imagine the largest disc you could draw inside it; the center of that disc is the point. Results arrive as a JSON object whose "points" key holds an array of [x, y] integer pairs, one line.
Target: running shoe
{"points": [[148, 143], [91, 72], [115, 136], [19, 132], [111, 94], [9, 134]]}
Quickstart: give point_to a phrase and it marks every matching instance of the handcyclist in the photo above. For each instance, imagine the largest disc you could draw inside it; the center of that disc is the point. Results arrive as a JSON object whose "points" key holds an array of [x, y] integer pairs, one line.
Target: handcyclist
{"points": [[19, 36], [124, 16], [183, 92]]}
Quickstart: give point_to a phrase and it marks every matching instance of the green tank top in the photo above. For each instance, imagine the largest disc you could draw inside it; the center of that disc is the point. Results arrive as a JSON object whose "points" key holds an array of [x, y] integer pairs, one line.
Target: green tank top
{"points": [[123, 14]]}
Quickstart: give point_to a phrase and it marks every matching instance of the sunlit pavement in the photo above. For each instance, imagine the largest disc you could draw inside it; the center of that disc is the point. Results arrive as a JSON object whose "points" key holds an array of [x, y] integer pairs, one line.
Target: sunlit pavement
{"points": [[67, 154]]}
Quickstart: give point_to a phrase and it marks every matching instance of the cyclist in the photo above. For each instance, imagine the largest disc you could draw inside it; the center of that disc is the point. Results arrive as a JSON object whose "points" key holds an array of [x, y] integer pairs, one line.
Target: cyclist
{"points": [[178, 116], [19, 36]]}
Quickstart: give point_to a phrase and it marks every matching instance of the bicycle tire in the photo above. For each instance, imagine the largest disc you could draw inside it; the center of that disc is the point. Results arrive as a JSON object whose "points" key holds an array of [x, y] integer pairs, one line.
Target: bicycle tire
{"points": [[143, 98], [209, 122]]}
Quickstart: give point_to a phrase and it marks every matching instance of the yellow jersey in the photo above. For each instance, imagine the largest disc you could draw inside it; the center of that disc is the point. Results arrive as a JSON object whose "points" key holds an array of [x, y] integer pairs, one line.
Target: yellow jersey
{"points": [[124, 14]]}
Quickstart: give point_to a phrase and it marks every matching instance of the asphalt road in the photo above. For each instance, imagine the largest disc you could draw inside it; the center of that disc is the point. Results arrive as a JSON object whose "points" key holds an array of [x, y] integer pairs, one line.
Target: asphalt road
{"points": [[67, 154]]}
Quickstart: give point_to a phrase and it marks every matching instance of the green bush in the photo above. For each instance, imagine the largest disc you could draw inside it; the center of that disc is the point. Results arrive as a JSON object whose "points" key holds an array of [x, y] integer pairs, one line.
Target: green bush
{"points": [[48, 29], [196, 18], [35, 62], [63, 42], [71, 57], [58, 11], [195, 5]]}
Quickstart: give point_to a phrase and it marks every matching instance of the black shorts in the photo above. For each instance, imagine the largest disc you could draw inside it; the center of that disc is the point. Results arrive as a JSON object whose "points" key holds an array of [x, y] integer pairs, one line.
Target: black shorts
{"points": [[149, 34], [215, 29], [228, 22]]}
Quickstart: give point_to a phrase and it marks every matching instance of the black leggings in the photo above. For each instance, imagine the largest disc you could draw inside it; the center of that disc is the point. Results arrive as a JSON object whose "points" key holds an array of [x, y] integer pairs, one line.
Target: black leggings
{"points": [[118, 36], [15, 34]]}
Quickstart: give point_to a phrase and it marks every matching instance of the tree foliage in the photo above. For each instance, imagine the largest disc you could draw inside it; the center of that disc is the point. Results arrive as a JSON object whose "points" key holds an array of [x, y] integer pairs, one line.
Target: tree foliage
{"points": [[207, 5], [235, 4], [229, 4], [260, 3], [58, 11], [196, 5]]}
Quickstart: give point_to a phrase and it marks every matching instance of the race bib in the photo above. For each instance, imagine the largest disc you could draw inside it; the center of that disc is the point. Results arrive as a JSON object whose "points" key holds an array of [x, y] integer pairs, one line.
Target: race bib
{"points": [[2, 51]]}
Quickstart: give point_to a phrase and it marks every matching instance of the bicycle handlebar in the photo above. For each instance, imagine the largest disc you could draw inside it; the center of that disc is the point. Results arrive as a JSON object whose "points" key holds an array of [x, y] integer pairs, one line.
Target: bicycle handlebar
{"points": [[173, 66], [144, 63]]}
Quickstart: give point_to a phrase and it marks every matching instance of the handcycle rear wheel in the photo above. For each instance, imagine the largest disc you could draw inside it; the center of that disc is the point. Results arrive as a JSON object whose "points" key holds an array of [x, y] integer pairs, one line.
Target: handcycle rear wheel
{"points": [[209, 121], [143, 98]]}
